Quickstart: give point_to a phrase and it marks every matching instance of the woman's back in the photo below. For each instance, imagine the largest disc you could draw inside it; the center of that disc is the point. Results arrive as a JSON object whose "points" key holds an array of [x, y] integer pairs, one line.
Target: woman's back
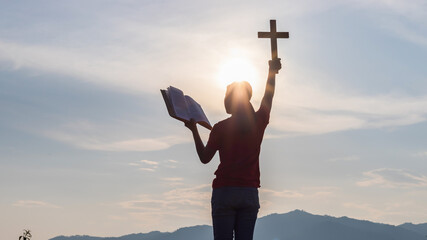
{"points": [[239, 146]]}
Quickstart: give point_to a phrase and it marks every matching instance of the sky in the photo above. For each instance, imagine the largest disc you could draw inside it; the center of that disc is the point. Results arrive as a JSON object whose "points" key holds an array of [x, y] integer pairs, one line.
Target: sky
{"points": [[87, 146]]}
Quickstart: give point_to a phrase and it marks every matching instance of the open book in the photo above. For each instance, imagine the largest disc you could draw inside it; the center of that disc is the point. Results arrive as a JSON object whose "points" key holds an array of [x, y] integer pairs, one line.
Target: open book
{"points": [[183, 107]]}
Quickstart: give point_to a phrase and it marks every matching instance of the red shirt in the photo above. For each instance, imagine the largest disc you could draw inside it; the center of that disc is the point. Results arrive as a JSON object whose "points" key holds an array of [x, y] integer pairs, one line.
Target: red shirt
{"points": [[238, 150]]}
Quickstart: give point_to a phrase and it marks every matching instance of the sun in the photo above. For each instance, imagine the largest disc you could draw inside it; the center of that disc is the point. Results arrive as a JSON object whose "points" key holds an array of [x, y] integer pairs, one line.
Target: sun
{"points": [[237, 69]]}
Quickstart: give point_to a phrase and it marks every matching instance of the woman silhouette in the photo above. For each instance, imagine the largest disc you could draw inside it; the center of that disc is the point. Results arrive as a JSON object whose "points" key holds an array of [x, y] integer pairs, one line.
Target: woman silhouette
{"points": [[238, 139]]}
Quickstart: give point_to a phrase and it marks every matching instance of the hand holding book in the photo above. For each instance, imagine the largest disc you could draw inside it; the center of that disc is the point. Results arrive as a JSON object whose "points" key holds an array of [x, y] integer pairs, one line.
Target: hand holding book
{"points": [[191, 125]]}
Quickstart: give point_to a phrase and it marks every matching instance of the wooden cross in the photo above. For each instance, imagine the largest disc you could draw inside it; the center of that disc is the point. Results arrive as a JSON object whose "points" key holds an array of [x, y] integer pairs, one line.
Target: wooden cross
{"points": [[273, 35]]}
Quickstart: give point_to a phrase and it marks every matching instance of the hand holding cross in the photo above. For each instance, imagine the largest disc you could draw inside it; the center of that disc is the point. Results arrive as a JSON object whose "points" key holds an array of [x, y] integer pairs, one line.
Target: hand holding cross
{"points": [[273, 35]]}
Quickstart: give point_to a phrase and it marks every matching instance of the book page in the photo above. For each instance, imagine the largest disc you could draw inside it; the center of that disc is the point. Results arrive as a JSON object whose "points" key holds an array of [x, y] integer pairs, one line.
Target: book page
{"points": [[195, 111], [178, 103], [169, 106]]}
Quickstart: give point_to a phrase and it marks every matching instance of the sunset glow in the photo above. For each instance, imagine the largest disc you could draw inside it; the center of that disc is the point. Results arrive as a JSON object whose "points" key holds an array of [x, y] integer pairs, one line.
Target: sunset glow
{"points": [[88, 147], [236, 70]]}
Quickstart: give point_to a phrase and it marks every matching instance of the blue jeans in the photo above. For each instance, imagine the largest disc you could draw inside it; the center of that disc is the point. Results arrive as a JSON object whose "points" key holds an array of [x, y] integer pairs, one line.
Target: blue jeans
{"points": [[234, 209]]}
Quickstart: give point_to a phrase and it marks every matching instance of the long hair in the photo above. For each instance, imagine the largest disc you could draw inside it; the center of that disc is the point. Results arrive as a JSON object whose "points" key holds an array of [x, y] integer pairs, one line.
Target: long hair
{"points": [[237, 102]]}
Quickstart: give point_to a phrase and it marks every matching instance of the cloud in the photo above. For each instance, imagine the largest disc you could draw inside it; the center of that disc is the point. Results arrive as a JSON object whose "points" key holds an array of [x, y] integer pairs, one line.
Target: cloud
{"points": [[138, 145], [173, 181], [392, 178], [180, 202], [151, 166], [370, 211], [192, 196], [315, 110], [412, 10], [305, 121], [405, 19], [396, 210], [271, 200], [405, 32], [310, 110], [302, 193], [149, 162], [421, 154], [170, 163], [59, 60], [95, 137], [125, 65], [34, 204], [282, 194], [145, 165], [344, 159], [147, 169]]}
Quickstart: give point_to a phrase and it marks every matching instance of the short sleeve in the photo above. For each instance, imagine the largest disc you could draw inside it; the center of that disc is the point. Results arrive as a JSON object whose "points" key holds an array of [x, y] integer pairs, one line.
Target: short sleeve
{"points": [[214, 138]]}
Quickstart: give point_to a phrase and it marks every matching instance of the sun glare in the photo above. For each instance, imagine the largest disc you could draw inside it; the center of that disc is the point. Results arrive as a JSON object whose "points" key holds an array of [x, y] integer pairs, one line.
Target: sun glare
{"points": [[237, 70]]}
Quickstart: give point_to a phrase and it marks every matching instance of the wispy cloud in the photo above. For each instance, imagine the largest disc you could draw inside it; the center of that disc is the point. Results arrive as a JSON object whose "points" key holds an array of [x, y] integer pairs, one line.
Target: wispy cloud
{"points": [[373, 212], [34, 204], [272, 200], [92, 137], [405, 19], [392, 178], [312, 110], [421, 154], [405, 32], [97, 67], [151, 166], [281, 194], [149, 162], [138, 145], [147, 169], [170, 163], [344, 159], [187, 202], [302, 193], [173, 181], [192, 196], [413, 10], [316, 110], [396, 209], [145, 165]]}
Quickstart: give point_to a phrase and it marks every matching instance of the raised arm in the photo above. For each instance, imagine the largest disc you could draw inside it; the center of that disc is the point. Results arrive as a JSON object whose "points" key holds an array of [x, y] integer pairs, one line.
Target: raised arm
{"points": [[274, 67], [205, 153]]}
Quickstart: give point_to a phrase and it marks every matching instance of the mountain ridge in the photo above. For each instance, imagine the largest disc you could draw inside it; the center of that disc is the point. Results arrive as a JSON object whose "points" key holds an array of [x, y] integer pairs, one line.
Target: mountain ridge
{"points": [[419, 228], [297, 224]]}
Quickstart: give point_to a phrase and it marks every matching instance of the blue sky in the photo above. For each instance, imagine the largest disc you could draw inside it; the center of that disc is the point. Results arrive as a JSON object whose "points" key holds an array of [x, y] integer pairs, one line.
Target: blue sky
{"points": [[87, 147]]}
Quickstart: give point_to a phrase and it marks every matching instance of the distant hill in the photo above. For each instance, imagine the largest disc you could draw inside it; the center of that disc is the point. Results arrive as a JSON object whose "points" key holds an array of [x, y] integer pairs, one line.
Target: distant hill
{"points": [[200, 232], [295, 225], [300, 225], [419, 228]]}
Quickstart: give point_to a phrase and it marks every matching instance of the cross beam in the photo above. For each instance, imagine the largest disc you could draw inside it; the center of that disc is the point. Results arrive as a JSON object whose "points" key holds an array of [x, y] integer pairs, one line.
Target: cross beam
{"points": [[273, 35]]}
